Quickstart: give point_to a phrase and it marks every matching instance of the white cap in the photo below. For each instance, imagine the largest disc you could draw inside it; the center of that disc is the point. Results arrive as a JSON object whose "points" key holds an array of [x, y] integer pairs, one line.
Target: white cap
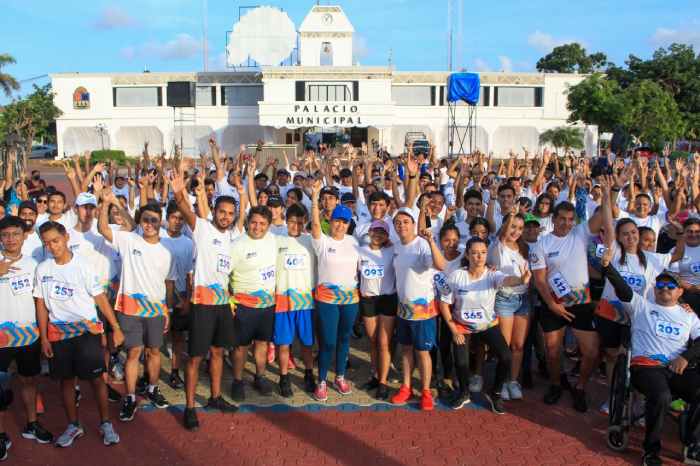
{"points": [[406, 211], [86, 199]]}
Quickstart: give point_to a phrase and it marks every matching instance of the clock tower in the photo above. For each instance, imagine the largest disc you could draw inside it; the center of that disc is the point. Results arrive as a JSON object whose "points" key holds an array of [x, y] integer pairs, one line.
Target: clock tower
{"points": [[326, 37]]}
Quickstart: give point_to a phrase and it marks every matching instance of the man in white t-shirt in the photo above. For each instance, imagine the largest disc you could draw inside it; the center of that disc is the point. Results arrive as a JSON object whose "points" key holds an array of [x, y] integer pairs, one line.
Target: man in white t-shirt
{"points": [[67, 294], [57, 211], [141, 304], [378, 206], [32, 245], [562, 280], [19, 333]]}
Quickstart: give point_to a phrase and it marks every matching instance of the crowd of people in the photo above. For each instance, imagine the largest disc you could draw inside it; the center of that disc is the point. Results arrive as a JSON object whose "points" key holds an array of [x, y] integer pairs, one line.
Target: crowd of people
{"points": [[458, 261]]}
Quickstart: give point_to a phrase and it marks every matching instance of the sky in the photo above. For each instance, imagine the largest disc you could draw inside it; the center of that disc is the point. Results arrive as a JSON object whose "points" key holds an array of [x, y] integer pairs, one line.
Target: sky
{"points": [[48, 36]]}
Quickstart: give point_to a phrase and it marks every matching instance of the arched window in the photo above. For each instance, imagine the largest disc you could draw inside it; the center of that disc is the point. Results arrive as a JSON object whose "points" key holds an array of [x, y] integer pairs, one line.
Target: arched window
{"points": [[326, 54]]}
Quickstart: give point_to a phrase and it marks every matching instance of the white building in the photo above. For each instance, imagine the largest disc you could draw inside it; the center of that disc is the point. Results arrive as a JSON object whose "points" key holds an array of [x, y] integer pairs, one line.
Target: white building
{"points": [[326, 93]]}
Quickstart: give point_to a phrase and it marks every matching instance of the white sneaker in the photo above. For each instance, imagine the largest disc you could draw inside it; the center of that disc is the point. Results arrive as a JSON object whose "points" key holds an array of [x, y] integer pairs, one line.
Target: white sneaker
{"points": [[505, 396], [71, 434], [476, 383], [109, 436], [515, 390]]}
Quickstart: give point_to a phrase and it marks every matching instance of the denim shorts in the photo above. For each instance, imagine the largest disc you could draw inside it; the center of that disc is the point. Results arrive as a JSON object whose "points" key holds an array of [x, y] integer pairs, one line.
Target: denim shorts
{"points": [[509, 305]]}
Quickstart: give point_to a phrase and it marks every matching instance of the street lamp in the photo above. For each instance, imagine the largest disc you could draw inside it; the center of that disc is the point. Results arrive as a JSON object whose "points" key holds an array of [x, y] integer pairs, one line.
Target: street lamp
{"points": [[102, 130]]}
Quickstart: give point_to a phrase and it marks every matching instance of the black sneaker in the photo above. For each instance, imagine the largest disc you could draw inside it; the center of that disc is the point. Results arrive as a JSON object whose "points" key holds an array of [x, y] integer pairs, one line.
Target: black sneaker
{"points": [[113, 395], [580, 403], [309, 382], [371, 384], [5, 445], [382, 392], [35, 431], [78, 397], [141, 386], [219, 404], [190, 419], [238, 390], [128, 410], [262, 385], [651, 458], [175, 381], [286, 387], [156, 398], [459, 400], [553, 394], [495, 403], [691, 454]]}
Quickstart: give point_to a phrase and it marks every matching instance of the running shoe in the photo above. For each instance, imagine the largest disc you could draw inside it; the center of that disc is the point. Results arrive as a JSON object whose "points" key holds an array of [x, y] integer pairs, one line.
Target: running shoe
{"points": [[109, 435], [175, 381], [460, 400], [113, 395], [156, 398], [691, 454], [426, 401], [342, 386], [580, 403], [5, 445], [321, 392], [553, 394], [190, 419], [495, 403], [128, 409], [286, 386], [402, 396], [476, 383], [651, 459], [72, 433], [219, 404], [238, 390], [505, 394], [309, 382], [515, 391], [35, 431], [382, 392], [371, 384], [262, 385]]}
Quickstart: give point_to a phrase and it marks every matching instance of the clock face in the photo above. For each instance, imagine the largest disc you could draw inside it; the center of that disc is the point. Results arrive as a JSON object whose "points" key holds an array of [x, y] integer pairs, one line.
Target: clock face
{"points": [[327, 18]]}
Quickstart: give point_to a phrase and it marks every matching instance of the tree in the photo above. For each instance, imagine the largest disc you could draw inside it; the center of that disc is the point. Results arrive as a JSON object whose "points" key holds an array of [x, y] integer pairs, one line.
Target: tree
{"points": [[571, 58], [29, 117], [596, 101], [651, 114], [566, 137], [7, 82]]}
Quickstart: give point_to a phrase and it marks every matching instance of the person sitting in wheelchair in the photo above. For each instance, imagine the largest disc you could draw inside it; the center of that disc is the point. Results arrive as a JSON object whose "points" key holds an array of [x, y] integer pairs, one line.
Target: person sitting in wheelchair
{"points": [[665, 356]]}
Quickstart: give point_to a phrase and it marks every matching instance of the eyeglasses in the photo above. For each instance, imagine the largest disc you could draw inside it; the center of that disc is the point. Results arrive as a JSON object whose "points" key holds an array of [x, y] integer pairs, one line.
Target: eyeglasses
{"points": [[150, 220], [666, 286], [42, 201]]}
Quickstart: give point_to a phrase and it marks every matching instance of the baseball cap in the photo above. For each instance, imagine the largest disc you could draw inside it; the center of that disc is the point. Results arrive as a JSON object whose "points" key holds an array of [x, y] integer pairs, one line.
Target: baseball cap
{"points": [[347, 197], [275, 201], [27, 205], [406, 211], [86, 199], [531, 218], [333, 191], [380, 224], [670, 276], [341, 213]]}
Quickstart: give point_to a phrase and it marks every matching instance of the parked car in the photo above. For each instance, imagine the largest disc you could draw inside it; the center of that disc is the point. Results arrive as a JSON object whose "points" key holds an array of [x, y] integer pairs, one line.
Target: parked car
{"points": [[41, 151]]}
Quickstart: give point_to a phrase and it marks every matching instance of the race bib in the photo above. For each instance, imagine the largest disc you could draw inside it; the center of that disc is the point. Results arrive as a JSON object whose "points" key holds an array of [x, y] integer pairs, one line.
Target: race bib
{"points": [[61, 291], [294, 262], [441, 284], [370, 271], [21, 284], [559, 285], [223, 263], [668, 330], [472, 315], [267, 274], [635, 281], [695, 268]]}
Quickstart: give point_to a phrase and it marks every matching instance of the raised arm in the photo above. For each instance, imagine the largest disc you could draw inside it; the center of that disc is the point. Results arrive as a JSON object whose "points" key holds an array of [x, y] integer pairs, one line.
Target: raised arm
{"points": [[439, 261], [177, 182], [315, 211]]}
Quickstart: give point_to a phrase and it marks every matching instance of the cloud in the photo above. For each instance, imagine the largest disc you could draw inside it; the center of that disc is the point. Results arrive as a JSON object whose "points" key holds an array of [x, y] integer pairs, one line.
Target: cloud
{"points": [[686, 34], [506, 63], [182, 47], [481, 65], [113, 17], [546, 42]]}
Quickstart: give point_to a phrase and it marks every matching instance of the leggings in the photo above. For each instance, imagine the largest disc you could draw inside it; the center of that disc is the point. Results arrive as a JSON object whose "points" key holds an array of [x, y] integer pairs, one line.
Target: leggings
{"points": [[493, 338], [335, 323], [441, 355]]}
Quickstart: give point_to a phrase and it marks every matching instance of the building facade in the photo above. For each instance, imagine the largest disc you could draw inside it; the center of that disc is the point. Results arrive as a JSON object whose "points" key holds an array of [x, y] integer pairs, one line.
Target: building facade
{"points": [[326, 97]]}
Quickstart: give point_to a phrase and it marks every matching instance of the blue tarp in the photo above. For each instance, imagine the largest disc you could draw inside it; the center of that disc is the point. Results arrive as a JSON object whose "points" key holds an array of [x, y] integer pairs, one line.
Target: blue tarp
{"points": [[463, 86]]}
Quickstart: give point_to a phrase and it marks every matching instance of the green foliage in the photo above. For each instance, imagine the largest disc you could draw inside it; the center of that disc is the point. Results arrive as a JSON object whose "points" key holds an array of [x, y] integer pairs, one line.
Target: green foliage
{"points": [[105, 155], [7, 82], [565, 137], [571, 58], [596, 100]]}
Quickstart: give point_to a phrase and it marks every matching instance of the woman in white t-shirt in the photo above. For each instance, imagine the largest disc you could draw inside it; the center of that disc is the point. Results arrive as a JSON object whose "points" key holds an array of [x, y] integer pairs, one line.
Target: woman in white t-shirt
{"points": [[378, 302], [469, 309], [509, 255], [543, 211], [336, 292], [689, 263]]}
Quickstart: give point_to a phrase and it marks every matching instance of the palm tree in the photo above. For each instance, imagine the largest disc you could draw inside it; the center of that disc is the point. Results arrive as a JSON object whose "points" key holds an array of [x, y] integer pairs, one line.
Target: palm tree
{"points": [[566, 137], [7, 82]]}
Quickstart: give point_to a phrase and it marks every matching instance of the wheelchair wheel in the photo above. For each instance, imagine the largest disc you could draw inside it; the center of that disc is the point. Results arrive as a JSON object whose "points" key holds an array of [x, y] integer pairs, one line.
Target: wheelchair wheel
{"points": [[618, 438]]}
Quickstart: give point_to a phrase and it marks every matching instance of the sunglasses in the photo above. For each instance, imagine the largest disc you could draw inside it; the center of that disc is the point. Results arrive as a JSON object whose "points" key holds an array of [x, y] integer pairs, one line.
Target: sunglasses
{"points": [[666, 286], [42, 201]]}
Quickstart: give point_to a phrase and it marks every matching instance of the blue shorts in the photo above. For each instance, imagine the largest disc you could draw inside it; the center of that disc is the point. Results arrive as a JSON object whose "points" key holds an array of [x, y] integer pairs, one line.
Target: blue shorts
{"points": [[421, 334], [294, 323], [512, 305]]}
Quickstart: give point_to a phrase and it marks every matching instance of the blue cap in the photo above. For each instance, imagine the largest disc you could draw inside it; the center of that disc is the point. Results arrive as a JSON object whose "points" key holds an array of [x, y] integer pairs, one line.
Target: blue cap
{"points": [[341, 213]]}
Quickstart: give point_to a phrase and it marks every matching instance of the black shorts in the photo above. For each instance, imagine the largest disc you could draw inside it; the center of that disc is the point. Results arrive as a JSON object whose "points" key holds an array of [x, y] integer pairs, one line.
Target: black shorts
{"points": [[210, 325], [596, 286], [610, 332], [583, 318], [179, 321], [80, 357], [253, 324], [27, 358], [383, 305]]}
